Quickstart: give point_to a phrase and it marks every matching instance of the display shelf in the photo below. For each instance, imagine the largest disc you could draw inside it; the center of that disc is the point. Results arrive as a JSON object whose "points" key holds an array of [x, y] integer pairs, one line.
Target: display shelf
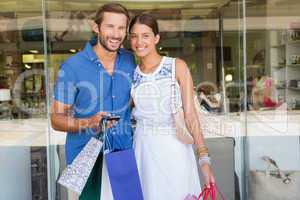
{"points": [[294, 88], [280, 88], [285, 62], [294, 65], [291, 42], [278, 46], [279, 66]]}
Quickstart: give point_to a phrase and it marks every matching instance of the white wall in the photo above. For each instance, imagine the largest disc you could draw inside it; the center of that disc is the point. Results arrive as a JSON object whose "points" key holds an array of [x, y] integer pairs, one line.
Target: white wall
{"points": [[15, 173], [285, 150]]}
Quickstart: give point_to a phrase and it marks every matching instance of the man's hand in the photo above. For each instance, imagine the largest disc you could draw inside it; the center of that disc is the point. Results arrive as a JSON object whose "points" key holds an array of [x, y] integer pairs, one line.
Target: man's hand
{"points": [[94, 121], [62, 120]]}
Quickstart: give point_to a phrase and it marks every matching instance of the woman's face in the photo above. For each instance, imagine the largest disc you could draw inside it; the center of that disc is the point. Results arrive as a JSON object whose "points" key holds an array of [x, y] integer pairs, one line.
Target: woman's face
{"points": [[143, 40]]}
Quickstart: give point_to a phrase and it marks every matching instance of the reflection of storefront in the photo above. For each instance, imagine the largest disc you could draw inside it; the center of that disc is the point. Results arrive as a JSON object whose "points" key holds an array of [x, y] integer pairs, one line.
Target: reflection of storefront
{"points": [[262, 75]]}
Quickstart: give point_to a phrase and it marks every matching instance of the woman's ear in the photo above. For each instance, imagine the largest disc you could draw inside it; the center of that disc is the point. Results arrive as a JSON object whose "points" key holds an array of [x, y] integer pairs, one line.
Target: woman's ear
{"points": [[95, 27], [157, 38]]}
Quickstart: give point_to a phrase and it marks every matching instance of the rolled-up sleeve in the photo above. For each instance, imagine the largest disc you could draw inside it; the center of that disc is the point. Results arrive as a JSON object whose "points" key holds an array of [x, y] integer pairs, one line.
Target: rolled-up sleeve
{"points": [[65, 86]]}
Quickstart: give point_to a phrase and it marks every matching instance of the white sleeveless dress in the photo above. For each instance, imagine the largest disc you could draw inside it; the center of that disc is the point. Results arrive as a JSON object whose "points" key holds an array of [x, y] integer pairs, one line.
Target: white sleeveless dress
{"points": [[168, 168]]}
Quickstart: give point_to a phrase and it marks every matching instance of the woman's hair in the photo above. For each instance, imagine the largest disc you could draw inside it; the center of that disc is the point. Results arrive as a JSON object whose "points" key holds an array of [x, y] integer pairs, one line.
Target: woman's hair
{"points": [[113, 8], [145, 19]]}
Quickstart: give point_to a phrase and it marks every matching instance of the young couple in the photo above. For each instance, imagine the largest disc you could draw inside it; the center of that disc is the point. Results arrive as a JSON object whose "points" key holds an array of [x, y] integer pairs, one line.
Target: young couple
{"points": [[97, 82]]}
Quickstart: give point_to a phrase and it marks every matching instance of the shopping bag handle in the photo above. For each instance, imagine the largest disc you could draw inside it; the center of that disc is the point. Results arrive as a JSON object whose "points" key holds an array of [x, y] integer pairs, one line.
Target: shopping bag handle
{"points": [[106, 143], [213, 190]]}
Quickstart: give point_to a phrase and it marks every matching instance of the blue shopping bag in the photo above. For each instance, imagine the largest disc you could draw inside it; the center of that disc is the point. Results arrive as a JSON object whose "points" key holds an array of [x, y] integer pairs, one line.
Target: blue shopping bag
{"points": [[123, 175]]}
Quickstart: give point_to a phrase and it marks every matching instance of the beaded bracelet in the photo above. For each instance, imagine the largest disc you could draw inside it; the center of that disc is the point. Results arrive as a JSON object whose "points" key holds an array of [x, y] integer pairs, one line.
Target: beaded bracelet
{"points": [[202, 151], [204, 159]]}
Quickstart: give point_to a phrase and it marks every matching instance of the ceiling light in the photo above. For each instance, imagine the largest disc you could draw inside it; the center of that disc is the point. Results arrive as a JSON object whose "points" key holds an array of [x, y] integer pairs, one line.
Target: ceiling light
{"points": [[228, 78], [72, 50], [34, 51], [27, 66]]}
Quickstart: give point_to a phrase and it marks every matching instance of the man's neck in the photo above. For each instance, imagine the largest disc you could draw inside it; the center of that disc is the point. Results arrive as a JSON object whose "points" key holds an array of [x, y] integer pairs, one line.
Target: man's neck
{"points": [[103, 54]]}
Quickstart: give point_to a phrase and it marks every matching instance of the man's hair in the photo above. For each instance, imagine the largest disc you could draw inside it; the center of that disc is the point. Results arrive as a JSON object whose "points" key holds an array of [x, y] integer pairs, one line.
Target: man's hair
{"points": [[113, 8]]}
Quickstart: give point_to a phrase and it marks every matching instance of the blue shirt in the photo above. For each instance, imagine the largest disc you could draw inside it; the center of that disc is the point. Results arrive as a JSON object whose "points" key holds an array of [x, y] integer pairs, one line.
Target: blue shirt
{"points": [[84, 83]]}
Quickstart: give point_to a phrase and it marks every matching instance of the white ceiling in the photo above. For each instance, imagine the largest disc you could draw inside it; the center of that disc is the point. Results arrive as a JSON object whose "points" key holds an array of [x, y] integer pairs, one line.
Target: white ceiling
{"points": [[187, 8], [66, 5]]}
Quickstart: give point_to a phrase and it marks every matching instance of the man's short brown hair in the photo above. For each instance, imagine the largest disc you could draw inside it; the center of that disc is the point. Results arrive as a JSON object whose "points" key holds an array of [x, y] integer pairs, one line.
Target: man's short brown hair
{"points": [[113, 8]]}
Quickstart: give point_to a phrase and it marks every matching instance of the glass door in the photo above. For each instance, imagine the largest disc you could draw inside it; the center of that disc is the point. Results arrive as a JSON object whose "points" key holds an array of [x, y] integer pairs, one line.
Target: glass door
{"points": [[208, 35]]}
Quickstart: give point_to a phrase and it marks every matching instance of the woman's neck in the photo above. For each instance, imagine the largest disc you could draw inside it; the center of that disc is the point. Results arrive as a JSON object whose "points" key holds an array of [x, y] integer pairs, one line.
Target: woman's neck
{"points": [[149, 63]]}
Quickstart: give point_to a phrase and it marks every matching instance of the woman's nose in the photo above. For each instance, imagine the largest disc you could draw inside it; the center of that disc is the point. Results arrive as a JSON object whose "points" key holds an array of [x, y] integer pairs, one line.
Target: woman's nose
{"points": [[139, 40]]}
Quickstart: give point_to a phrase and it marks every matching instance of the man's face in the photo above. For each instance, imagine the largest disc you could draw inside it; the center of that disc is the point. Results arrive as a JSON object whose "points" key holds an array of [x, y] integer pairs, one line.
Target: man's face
{"points": [[112, 31]]}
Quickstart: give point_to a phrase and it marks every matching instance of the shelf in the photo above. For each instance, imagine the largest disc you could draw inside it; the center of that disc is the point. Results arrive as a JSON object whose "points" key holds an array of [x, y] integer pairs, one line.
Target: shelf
{"points": [[294, 88], [294, 65], [36, 94], [278, 46], [254, 66], [294, 42], [280, 88], [279, 66]]}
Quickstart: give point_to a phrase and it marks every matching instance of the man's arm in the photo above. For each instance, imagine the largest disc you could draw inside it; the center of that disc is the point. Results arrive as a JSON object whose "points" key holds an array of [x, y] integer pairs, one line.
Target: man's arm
{"points": [[62, 119]]}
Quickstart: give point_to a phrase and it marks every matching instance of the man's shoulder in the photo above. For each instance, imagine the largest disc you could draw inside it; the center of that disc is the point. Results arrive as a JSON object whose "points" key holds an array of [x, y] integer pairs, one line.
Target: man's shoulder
{"points": [[126, 53], [76, 59], [128, 59]]}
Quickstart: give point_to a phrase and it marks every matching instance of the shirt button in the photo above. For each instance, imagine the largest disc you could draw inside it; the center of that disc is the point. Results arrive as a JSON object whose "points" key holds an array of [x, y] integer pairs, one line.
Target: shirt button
{"points": [[113, 96]]}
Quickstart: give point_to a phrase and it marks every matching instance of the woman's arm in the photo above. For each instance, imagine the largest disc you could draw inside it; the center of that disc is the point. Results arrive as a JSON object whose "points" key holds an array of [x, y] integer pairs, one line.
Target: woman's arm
{"points": [[185, 81]]}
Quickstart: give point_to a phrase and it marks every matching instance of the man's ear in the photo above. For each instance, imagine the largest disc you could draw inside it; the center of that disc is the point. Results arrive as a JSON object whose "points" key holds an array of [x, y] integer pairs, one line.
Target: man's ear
{"points": [[157, 38], [95, 27]]}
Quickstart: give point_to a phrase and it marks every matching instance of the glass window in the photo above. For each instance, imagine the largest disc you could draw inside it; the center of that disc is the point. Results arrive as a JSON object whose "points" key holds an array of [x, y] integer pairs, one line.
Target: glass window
{"points": [[23, 109], [273, 74]]}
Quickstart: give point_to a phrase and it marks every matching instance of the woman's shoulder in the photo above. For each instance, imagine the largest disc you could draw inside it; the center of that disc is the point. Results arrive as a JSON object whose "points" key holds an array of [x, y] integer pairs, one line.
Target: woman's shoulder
{"points": [[181, 65], [179, 62]]}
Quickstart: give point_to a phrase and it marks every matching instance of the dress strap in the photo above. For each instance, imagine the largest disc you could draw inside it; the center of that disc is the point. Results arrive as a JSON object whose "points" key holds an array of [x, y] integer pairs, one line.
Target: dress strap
{"points": [[173, 86]]}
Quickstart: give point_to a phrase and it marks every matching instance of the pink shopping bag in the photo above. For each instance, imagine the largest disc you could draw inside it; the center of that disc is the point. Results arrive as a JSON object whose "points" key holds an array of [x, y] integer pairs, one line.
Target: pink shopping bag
{"points": [[211, 192]]}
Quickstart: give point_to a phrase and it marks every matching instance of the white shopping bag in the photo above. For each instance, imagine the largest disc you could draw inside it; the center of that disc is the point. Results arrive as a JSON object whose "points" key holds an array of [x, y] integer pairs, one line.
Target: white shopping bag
{"points": [[75, 176]]}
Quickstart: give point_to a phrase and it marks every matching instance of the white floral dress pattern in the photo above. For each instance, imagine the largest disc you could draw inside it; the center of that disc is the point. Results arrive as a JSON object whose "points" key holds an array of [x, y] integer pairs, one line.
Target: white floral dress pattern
{"points": [[167, 167]]}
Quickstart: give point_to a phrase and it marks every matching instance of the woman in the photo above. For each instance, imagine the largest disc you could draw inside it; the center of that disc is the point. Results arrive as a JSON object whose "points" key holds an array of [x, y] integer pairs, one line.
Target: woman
{"points": [[167, 167]]}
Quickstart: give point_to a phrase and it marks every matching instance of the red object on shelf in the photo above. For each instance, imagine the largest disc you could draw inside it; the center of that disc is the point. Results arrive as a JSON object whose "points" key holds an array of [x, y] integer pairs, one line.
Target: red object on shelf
{"points": [[268, 102]]}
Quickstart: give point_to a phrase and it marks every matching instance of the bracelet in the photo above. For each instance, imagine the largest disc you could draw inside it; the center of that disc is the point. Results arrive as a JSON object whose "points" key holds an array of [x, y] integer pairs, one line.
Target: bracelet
{"points": [[202, 151], [204, 159]]}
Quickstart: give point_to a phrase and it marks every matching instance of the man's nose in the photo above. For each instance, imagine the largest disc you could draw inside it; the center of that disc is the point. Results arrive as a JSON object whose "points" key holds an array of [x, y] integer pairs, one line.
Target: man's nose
{"points": [[117, 33]]}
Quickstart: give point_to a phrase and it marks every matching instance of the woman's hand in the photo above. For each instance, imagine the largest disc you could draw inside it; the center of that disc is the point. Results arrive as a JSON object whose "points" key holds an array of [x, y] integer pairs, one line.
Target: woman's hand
{"points": [[207, 174]]}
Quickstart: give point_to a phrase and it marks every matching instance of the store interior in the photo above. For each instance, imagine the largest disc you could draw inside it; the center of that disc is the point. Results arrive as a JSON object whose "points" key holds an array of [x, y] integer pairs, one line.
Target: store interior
{"points": [[240, 64]]}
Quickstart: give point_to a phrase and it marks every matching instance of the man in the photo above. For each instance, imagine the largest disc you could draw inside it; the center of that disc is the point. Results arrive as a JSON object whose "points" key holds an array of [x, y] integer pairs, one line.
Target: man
{"points": [[94, 83]]}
